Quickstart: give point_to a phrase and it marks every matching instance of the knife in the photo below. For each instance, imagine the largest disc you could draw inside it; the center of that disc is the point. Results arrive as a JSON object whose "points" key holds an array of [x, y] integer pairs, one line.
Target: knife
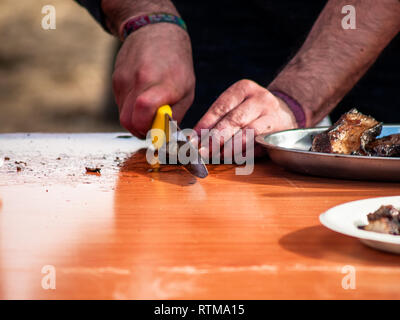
{"points": [[173, 135]]}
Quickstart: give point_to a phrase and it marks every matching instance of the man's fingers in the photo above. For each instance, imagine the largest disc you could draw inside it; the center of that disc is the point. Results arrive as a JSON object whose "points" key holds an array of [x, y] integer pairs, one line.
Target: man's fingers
{"points": [[226, 102], [238, 143], [138, 111], [231, 123], [240, 117], [146, 105], [127, 108]]}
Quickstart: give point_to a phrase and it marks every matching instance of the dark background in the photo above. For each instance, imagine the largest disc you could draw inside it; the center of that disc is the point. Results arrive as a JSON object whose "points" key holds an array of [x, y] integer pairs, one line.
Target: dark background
{"points": [[60, 80], [254, 39]]}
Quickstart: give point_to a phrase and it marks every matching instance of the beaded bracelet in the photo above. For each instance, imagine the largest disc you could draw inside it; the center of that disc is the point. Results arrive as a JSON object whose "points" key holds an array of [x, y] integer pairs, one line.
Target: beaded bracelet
{"points": [[294, 106], [135, 23]]}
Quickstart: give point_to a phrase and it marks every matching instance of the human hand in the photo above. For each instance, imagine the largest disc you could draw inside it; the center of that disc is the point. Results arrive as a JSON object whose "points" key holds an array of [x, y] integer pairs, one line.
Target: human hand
{"points": [[245, 105], [154, 67]]}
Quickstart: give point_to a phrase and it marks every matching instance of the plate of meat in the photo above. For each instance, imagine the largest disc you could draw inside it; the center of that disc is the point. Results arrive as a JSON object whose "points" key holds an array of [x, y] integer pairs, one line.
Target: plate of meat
{"points": [[375, 222], [355, 147]]}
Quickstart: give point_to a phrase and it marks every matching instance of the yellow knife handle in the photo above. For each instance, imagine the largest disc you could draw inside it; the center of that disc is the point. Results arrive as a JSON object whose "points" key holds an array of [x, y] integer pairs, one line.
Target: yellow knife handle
{"points": [[158, 137]]}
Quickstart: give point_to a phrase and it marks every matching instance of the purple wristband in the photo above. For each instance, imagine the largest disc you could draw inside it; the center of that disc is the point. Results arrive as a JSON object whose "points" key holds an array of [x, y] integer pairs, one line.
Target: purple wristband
{"points": [[294, 106]]}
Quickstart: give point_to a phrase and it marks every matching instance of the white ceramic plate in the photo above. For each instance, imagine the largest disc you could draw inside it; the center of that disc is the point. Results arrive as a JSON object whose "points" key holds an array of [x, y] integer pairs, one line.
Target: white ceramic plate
{"points": [[346, 218]]}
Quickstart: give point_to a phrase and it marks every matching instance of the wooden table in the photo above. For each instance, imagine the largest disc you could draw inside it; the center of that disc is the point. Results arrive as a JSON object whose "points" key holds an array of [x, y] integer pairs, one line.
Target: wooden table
{"points": [[130, 233]]}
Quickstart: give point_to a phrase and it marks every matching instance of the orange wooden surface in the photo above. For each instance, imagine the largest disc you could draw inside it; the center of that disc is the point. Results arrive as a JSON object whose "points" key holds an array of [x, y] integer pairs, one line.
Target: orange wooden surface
{"points": [[133, 234]]}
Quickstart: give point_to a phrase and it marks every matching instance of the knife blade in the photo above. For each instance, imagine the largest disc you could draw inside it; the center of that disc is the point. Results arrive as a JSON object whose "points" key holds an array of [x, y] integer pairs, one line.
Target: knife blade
{"points": [[173, 139], [195, 166]]}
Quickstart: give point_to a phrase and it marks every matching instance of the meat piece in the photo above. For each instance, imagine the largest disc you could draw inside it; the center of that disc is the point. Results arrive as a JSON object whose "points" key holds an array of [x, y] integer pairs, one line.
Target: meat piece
{"points": [[385, 220], [388, 146], [349, 135]]}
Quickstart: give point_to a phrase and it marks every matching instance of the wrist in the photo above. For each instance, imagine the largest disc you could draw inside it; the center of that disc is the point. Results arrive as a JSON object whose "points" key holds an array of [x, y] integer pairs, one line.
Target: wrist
{"points": [[292, 107], [287, 118], [117, 12], [133, 24]]}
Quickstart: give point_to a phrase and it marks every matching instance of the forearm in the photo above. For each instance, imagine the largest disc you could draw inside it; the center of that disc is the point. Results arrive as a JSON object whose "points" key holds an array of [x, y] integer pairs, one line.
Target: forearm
{"points": [[117, 11], [332, 59]]}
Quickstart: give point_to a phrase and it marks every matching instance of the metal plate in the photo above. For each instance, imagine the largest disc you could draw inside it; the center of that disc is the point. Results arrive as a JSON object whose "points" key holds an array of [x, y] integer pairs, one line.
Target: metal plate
{"points": [[290, 149]]}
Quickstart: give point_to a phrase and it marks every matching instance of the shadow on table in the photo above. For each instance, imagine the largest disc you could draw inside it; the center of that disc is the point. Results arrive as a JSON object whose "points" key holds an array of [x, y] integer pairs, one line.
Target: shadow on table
{"points": [[137, 164], [265, 173], [269, 174], [318, 242]]}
